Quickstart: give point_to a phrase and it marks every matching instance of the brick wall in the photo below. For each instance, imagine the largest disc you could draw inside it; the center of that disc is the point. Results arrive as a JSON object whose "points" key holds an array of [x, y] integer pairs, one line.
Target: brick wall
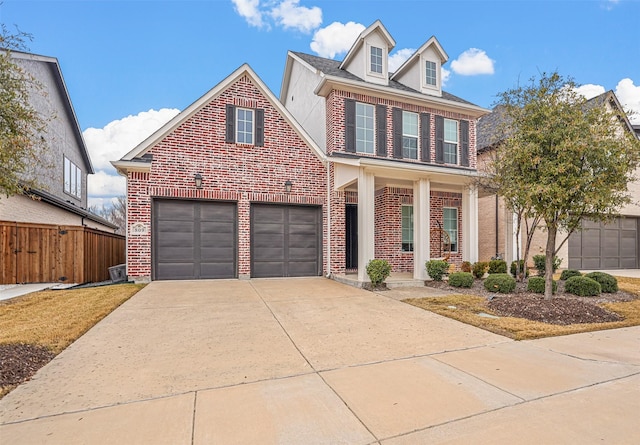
{"points": [[236, 172], [440, 200]]}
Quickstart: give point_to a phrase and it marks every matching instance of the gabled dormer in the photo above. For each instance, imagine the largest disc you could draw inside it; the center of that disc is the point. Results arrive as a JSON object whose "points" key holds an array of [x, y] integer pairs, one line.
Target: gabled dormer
{"points": [[423, 70], [368, 58]]}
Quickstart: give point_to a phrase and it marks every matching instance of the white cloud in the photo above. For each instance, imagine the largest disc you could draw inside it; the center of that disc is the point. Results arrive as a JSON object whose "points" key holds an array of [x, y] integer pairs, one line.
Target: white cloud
{"points": [[336, 38], [629, 96], [589, 90], [399, 57], [472, 62], [249, 9], [289, 14], [112, 142], [446, 74]]}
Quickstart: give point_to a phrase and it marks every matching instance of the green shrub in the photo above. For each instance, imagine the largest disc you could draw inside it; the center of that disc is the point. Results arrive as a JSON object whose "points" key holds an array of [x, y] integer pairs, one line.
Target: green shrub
{"points": [[479, 269], [514, 265], [437, 269], [582, 286], [608, 283], [566, 274], [500, 282], [536, 284], [539, 262], [461, 279], [378, 271], [466, 266], [497, 266]]}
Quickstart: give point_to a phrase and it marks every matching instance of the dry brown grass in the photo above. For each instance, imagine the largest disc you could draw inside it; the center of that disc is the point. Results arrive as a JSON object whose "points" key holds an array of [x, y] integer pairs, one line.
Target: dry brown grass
{"points": [[56, 318], [465, 308]]}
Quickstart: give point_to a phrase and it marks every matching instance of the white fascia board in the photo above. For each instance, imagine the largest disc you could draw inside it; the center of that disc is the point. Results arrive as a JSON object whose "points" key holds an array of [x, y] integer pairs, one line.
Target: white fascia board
{"points": [[123, 167], [375, 26], [329, 83]]}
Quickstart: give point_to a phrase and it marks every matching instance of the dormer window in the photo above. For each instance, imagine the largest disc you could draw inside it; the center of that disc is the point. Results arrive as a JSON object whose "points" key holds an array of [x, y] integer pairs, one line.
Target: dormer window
{"points": [[376, 60], [431, 77]]}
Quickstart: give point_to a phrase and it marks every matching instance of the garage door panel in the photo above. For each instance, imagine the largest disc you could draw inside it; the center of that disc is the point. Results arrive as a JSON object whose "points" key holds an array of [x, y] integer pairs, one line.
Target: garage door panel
{"points": [[303, 269], [175, 210], [629, 223], [268, 269], [216, 270], [177, 271]]}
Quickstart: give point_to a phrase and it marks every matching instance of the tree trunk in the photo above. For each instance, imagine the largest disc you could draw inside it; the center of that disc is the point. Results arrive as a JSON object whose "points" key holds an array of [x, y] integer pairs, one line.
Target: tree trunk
{"points": [[548, 264]]}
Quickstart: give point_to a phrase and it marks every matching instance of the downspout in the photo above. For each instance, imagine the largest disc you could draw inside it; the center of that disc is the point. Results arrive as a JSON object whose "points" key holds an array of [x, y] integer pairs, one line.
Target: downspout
{"points": [[497, 237], [328, 164]]}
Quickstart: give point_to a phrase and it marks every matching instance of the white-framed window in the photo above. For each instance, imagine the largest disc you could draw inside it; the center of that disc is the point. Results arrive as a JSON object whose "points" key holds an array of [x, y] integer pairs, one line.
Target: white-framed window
{"points": [[409, 135], [450, 141], [72, 179], [450, 216], [244, 126], [376, 60], [407, 228], [430, 70], [364, 128]]}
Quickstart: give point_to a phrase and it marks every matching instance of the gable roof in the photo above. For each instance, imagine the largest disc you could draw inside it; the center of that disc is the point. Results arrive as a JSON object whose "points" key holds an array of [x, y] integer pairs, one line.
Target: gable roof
{"points": [[54, 68], [376, 26], [415, 57], [136, 159]]}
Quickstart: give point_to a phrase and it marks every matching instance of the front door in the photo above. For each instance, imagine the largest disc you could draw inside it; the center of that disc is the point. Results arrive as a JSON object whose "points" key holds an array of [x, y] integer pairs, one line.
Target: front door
{"points": [[351, 238]]}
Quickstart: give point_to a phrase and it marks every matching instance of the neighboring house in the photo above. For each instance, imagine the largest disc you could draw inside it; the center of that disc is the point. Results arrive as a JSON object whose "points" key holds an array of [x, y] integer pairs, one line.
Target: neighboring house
{"points": [[614, 245], [61, 200], [401, 151], [352, 163]]}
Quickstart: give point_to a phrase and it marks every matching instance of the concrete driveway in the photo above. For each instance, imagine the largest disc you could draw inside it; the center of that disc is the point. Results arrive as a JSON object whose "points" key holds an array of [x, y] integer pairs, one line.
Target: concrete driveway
{"points": [[311, 361]]}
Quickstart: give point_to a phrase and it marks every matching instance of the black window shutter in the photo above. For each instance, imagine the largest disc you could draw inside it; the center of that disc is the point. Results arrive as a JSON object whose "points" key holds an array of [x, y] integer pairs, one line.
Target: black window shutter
{"points": [[440, 139], [425, 137], [259, 127], [464, 143], [350, 125], [231, 124], [381, 129], [397, 132]]}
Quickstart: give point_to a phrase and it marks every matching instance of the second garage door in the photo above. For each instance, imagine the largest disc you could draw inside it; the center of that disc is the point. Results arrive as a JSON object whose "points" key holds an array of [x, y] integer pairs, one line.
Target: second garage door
{"points": [[285, 241], [605, 246]]}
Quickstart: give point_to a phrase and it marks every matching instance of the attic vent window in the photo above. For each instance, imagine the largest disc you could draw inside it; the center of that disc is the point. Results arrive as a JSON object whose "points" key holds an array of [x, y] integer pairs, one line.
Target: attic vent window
{"points": [[376, 60], [430, 70]]}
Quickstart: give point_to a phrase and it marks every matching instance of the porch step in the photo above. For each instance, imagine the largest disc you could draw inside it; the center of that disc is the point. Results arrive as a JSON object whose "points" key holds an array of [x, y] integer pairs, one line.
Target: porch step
{"points": [[404, 283], [395, 280]]}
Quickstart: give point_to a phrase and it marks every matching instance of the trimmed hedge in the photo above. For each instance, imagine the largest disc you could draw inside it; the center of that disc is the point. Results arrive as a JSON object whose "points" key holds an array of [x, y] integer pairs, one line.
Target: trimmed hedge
{"points": [[378, 271], [497, 266], [566, 274], [479, 269], [437, 269], [536, 284], [608, 283], [500, 282], [582, 286], [461, 279], [514, 266], [540, 263]]}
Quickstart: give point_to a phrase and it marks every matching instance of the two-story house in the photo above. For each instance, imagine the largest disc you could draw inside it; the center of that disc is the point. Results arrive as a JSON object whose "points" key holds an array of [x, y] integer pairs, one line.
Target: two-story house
{"points": [[30, 248], [401, 154], [352, 163]]}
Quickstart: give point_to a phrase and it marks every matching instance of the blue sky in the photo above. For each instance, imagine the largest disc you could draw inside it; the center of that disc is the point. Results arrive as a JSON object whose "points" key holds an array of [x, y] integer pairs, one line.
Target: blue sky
{"points": [[130, 65]]}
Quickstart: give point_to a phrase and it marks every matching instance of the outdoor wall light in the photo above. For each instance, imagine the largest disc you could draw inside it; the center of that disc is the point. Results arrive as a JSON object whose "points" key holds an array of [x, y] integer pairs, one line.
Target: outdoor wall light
{"points": [[287, 186], [198, 180]]}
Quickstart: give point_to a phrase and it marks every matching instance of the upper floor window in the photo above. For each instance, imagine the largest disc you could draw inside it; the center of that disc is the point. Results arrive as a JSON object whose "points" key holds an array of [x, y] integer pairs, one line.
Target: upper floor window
{"points": [[364, 128], [409, 135], [450, 215], [72, 179], [244, 125], [407, 228], [430, 73], [450, 141], [376, 60]]}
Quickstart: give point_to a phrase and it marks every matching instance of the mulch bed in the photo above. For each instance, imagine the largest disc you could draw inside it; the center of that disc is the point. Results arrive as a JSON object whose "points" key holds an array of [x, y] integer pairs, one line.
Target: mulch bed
{"points": [[19, 362], [563, 309]]}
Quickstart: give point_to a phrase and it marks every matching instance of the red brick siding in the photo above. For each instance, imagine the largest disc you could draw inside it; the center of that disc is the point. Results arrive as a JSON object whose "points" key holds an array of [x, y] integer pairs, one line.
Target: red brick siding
{"points": [[439, 200], [235, 172], [388, 227]]}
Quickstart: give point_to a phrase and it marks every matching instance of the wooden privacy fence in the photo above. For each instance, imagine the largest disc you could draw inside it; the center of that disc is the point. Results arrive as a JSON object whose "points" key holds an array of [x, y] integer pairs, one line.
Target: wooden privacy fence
{"points": [[42, 253]]}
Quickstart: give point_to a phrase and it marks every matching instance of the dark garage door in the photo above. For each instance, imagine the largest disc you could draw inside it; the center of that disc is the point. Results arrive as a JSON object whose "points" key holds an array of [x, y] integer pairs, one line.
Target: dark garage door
{"points": [[605, 246], [285, 241], [194, 239]]}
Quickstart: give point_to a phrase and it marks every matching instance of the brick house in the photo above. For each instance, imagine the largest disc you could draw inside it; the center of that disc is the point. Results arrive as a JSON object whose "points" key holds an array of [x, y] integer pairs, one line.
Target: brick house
{"points": [[612, 245], [401, 154], [352, 163]]}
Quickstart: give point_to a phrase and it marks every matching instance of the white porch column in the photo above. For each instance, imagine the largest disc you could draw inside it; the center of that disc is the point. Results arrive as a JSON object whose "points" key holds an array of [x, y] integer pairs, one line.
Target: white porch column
{"points": [[421, 227], [510, 237], [470, 224], [366, 222]]}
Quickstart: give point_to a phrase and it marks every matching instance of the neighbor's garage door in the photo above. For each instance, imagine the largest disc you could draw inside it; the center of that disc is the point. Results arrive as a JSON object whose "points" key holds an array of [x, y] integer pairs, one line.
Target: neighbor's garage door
{"points": [[285, 241], [605, 246], [194, 239]]}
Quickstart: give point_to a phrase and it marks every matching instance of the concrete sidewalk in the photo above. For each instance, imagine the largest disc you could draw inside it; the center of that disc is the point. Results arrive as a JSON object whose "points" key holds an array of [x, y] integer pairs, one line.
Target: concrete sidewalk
{"points": [[305, 361]]}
